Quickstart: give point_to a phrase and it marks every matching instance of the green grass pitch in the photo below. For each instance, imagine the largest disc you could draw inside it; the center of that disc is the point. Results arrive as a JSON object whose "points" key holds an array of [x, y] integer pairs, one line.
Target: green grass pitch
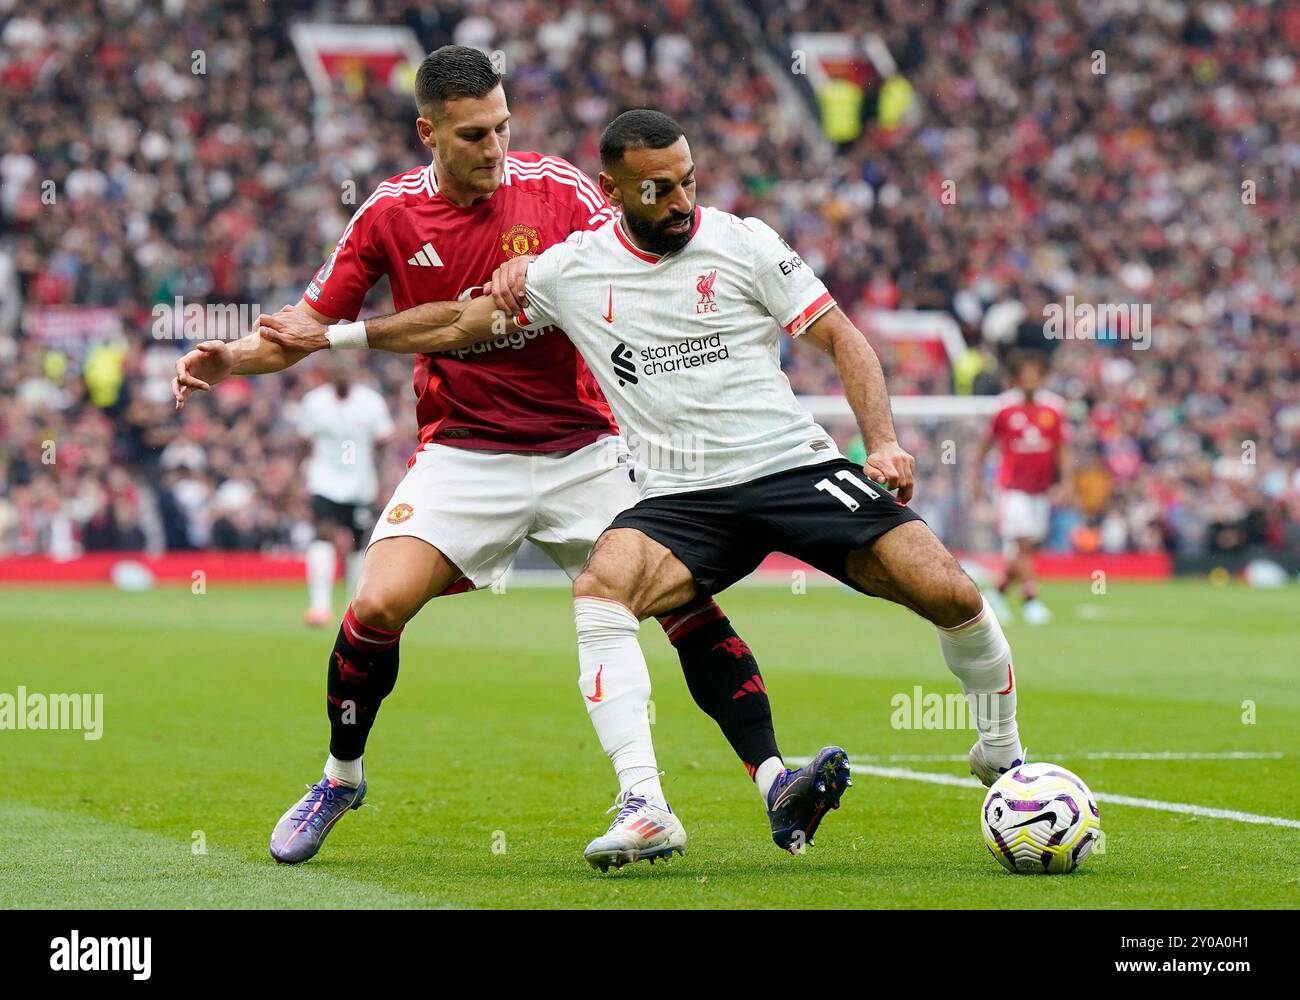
{"points": [[487, 782]]}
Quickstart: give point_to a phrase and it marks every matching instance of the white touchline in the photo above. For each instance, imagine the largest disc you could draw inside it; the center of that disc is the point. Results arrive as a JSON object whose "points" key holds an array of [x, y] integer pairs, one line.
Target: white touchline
{"points": [[1120, 800], [1177, 755], [1209, 811], [1095, 755]]}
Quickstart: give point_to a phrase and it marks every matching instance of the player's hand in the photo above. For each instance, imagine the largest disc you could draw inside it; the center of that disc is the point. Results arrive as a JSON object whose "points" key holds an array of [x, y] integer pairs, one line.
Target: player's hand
{"points": [[293, 330], [891, 465], [201, 369], [507, 285]]}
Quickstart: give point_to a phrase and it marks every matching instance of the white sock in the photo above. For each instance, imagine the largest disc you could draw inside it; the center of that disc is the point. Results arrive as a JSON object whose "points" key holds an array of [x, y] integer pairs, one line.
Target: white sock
{"points": [[320, 574], [645, 782], [345, 772], [353, 566], [978, 654], [615, 685], [766, 774]]}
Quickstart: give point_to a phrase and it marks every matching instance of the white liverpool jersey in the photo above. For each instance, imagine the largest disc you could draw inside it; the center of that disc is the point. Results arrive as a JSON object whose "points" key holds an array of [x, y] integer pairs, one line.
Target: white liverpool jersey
{"points": [[686, 346], [343, 433]]}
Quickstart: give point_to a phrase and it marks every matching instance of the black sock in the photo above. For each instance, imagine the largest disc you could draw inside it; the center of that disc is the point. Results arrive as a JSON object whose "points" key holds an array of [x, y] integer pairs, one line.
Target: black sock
{"points": [[723, 678], [362, 672]]}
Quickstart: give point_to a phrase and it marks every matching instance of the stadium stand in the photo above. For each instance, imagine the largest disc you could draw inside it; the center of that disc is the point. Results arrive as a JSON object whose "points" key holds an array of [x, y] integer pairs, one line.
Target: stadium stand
{"points": [[1172, 178]]}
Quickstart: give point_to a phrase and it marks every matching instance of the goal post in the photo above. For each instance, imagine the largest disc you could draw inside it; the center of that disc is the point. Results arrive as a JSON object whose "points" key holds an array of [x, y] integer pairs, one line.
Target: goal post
{"points": [[943, 433]]}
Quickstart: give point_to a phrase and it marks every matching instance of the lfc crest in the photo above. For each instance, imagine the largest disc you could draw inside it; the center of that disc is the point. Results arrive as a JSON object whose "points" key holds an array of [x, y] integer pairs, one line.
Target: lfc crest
{"points": [[520, 239], [704, 285]]}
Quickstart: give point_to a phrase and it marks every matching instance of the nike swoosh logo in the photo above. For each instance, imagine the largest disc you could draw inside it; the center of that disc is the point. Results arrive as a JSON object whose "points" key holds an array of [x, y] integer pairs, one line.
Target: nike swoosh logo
{"points": [[1051, 816], [597, 696], [609, 316], [1011, 680]]}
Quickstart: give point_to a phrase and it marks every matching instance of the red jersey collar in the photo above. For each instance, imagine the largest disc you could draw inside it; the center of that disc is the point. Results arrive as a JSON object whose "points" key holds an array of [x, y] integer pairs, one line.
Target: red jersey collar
{"points": [[431, 183]]}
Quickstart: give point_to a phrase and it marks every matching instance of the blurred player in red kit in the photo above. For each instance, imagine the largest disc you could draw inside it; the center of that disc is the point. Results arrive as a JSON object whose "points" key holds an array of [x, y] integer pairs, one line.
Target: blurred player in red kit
{"points": [[1030, 431]]}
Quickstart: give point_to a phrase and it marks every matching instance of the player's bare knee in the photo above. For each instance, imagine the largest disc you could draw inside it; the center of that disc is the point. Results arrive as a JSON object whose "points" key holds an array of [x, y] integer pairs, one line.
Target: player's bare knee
{"points": [[955, 600], [598, 581], [382, 608], [970, 602], [611, 571]]}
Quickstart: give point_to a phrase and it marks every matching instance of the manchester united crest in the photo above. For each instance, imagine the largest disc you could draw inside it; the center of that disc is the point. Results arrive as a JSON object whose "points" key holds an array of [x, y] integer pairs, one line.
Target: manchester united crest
{"points": [[401, 512], [520, 239]]}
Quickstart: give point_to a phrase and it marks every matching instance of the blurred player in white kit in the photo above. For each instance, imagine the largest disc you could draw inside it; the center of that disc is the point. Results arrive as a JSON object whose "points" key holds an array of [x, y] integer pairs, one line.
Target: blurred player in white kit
{"points": [[346, 423]]}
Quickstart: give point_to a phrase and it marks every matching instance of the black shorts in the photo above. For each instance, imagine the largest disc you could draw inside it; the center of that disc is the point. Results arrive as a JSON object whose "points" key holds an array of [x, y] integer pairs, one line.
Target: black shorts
{"points": [[817, 513], [357, 518]]}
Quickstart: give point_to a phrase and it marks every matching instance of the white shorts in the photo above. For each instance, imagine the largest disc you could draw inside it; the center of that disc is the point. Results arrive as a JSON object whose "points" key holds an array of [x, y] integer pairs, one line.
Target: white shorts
{"points": [[1023, 515], [477, 507]]}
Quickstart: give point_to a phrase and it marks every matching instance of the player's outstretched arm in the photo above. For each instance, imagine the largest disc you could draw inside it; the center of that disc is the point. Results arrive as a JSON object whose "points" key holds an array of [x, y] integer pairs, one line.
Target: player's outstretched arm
{"points": [[424, 329], [864, 386], [215, 360]]}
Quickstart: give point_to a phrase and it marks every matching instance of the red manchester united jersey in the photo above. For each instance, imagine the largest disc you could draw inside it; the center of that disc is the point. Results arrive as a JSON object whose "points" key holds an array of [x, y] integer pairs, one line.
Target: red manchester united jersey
{"points": [[1028, 436], [527, 391]]}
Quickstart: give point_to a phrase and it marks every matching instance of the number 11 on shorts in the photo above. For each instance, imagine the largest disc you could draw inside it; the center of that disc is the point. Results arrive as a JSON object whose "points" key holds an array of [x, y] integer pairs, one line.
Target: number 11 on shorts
{"points": [[844, 475]]}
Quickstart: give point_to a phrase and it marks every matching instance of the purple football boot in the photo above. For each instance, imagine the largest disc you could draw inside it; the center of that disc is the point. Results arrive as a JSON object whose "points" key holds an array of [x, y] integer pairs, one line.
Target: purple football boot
{"points": [[798, 799], [303, 828]]}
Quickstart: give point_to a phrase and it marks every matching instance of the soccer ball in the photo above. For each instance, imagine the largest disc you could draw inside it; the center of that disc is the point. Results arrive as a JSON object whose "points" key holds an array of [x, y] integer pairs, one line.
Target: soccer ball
{"points": [[1040, 819]]}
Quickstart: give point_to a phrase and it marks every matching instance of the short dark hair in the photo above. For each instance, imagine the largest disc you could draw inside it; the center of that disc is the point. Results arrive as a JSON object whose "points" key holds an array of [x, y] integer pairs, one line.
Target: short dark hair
{"points": [[640, 128], [450, 72], [1019, 359]]}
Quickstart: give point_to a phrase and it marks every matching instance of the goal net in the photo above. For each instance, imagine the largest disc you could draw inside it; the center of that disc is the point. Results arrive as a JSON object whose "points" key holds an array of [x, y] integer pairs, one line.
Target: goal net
{"points": [[943, 434]]}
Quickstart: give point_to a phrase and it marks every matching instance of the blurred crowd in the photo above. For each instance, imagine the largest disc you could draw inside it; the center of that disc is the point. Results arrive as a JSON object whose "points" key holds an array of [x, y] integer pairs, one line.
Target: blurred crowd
{"points": [[1115, 152]]}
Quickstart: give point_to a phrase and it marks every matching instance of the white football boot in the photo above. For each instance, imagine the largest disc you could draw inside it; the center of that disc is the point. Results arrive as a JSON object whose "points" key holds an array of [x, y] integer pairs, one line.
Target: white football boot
{"points": [[1000, 607], [984, 770], [641, 831], [1035, 612]]}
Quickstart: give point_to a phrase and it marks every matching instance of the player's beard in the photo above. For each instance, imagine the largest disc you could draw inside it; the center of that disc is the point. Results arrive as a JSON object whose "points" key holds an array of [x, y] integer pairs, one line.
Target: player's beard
{"points": [[651, 235]]}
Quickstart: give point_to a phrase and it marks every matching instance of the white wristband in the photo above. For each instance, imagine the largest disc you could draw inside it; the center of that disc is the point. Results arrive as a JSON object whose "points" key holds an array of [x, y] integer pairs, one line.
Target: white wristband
{"points": [[347, 336]]}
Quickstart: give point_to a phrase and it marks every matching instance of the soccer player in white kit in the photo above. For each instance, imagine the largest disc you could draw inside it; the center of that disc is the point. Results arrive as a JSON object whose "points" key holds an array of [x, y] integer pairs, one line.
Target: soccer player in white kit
{"points": [[344, 421], [677, 310]]}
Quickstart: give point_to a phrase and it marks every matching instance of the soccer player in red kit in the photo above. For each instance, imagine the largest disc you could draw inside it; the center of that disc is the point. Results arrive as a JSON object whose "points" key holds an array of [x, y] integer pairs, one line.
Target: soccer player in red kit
{"points": [[1030, 432], [516, 441]]}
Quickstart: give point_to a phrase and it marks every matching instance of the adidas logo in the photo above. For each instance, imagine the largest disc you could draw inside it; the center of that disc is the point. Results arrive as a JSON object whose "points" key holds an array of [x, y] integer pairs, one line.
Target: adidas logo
{"points": [[426, 256]]}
